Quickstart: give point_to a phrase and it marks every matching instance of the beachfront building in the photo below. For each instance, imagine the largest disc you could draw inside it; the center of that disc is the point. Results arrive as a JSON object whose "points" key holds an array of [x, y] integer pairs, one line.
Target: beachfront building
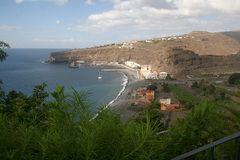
{"points": [[146, 72], [163, 75], [152, 75], [80, 62], [132, 64], [97, 63]]}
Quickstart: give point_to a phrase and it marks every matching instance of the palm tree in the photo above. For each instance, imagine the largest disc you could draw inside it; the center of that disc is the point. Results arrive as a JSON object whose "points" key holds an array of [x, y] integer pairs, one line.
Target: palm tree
{"points": [[3, 54]]}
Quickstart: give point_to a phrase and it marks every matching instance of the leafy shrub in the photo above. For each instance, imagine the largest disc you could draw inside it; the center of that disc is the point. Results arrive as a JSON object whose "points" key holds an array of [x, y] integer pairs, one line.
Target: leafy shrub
{"points": [[221, 96], [209, 89], [152, 87], [169, 78], [165, 87], [65, 128], [234, 78], [195, 85]]}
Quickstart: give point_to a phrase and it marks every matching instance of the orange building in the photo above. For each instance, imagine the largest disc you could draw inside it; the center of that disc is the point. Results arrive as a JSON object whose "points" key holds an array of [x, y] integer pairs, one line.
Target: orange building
{"points": [[150, 94], [167, 105], [170, 107]]}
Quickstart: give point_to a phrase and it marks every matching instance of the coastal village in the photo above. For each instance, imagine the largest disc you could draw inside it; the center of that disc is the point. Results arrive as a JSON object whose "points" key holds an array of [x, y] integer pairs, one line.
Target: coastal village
{"points": [[146, 95], [149, 84], [160, 90]]}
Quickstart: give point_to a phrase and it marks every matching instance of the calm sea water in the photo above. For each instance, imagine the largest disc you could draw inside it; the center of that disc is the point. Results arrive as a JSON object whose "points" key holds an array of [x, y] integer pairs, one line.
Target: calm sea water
{"points": [[23, 69]]}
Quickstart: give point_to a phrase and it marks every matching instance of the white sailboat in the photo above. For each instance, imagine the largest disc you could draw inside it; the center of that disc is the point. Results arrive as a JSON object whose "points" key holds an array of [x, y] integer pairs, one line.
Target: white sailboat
{"points": [[99, 75]]}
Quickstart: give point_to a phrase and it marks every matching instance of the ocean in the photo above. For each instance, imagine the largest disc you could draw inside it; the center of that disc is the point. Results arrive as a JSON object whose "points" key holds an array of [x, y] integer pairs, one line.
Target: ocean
{"points": [[25, 68]]}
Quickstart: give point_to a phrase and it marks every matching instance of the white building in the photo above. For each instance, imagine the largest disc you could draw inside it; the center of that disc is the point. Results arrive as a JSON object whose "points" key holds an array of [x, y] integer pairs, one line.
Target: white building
{"points": [[147, 73], [127, 45], [163, 75], [166, 101], [148, 41], [151, 75], [145, 70], [132, 64]]}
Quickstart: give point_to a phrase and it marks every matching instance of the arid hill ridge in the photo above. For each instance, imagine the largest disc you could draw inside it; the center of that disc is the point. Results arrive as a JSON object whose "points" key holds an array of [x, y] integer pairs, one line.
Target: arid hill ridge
{"points": [[196, 52]]}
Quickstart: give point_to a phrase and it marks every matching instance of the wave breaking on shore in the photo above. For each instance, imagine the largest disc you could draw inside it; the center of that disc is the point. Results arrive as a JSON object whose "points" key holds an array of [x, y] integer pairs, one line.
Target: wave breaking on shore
{"points": [[124, 84]]}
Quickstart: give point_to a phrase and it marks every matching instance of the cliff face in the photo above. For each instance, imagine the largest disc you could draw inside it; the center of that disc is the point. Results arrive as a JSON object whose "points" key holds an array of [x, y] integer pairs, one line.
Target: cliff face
{"points": [[197, 52], [181, 61]]}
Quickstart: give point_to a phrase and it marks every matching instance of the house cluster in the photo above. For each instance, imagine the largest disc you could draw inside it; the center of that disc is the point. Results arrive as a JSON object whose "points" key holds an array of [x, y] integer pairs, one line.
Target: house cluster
{"points": [[132, 64], [142, 96], [170, 38], [146, 71], [126, 45], [99, 63], [149, 41], [167, 105]]}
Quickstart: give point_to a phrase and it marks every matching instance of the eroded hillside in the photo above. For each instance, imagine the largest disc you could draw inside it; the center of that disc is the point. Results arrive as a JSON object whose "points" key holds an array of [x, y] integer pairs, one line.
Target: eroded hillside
{"points": [[196, 52]]}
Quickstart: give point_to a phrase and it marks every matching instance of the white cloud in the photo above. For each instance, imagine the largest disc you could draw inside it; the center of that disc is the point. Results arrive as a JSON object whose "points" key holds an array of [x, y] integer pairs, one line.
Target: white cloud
{"points": [[58, 2], [8, 27], [56, 40], [164, 14], [58, 21], [89, 2], [19, 1]]}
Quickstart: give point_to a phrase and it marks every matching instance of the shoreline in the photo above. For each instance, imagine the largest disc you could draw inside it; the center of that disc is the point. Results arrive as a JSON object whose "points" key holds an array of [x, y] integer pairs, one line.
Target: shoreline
{"points": [[131, 81], [129, 76], [120, 104], [124, 84]]}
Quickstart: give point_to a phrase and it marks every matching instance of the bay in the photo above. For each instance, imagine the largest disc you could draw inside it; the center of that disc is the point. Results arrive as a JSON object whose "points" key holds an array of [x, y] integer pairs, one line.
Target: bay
{"points": [[24, 68]]}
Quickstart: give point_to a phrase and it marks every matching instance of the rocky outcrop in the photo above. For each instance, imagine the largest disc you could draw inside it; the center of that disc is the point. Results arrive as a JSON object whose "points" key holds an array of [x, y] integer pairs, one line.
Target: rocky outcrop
{"points": [[184, 62]]}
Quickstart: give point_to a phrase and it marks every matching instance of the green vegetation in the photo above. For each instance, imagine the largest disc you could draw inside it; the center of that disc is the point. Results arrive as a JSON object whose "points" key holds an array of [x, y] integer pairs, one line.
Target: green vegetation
{"points": [[234, 78], [201, 126], [33, 128], [64, 129], [165, 87], [3, 54], [152, 87], [186, 98], [195, 85], [169, 78]]}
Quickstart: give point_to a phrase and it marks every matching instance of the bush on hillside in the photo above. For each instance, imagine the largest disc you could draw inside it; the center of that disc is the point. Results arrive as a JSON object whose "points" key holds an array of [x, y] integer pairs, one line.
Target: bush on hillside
{"points": [[234, 78], [64, 128], [195, 85], [165, 87], [152, 87]]}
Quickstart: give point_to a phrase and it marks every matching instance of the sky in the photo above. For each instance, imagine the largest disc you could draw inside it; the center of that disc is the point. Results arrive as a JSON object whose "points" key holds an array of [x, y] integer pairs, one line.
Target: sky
{"points": [[87, 23]]}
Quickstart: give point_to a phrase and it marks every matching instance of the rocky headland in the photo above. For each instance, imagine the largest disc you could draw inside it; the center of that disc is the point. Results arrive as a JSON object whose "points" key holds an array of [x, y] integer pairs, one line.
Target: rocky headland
{"points": [[193, 53]]}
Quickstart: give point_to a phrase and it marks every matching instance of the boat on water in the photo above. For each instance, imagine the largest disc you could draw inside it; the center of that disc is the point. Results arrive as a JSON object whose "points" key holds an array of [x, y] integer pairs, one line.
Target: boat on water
{"points": [[99, 75]]}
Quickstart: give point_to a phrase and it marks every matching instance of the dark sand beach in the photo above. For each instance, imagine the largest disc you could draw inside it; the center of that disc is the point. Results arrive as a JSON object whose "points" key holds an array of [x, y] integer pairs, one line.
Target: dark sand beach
{"points": [[121, 104]]}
